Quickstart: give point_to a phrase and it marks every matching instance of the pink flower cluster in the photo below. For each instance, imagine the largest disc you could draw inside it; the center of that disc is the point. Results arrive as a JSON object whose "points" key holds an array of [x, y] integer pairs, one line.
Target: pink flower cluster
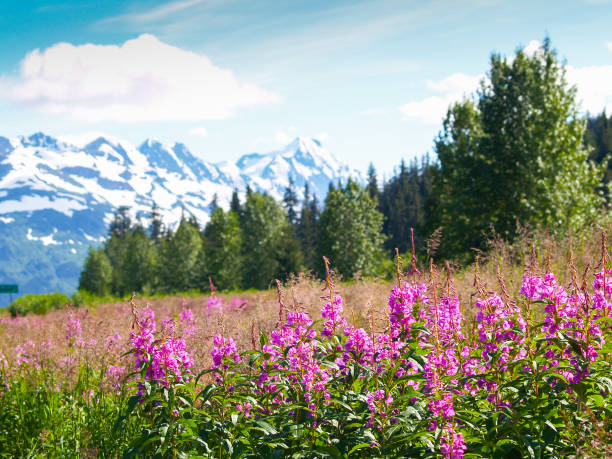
{"points": [[332, 311], [73, 329], [454, 366], [224, 349], [166, 359]]}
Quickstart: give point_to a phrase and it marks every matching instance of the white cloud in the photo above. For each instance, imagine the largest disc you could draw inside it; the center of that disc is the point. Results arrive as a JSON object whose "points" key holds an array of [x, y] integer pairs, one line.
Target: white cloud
{"points": [[594, 92], [533, 47], [593, 85], [431, 110], [199, 131], [141, 80], [609, 45]]}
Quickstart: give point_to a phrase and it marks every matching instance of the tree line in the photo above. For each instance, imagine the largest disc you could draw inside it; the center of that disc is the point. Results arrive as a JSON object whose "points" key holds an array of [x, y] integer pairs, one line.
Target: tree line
{"points": [[515, 153], [246, 246]]}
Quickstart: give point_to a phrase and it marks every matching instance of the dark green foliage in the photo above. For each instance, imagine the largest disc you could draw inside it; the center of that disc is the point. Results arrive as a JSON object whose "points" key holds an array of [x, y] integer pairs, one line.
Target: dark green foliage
{"points": [[44, 416], [116, 248], [222, 245], [405, 203], [141, 263], [290, 202], [180, 258], [516, 155], [598, 138], [373, 183], [308, 230], [156, 228], [265, 234], [235, 205], [97, 273], [37, 304], [122, 223], [351, 231]]}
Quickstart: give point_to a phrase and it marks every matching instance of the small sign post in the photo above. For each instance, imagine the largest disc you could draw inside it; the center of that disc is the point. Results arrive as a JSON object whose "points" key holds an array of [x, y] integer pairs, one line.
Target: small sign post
{"points": [[10, 289]]}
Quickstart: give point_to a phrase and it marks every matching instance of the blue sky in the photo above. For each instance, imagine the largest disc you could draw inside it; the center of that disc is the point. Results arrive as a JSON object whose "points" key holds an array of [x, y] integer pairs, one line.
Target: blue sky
{"points": [[371, 79]]}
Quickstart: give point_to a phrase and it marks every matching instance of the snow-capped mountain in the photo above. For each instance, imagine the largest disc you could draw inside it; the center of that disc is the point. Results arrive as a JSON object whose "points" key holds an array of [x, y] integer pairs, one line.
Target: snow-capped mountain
{"points": [[58, 196]]}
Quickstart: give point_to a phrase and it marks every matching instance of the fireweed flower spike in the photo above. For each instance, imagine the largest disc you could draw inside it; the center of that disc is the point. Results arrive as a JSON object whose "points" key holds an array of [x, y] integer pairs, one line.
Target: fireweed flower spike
{"points": [[166, 360]]}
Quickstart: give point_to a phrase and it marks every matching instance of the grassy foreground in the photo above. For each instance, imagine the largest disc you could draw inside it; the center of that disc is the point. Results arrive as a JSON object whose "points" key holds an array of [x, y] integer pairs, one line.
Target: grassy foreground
{"points": [[437, 366]]}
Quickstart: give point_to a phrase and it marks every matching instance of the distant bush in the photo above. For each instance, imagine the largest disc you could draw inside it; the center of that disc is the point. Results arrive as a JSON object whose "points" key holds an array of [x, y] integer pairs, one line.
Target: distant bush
{"points": [[37, 304], [85, 298]]}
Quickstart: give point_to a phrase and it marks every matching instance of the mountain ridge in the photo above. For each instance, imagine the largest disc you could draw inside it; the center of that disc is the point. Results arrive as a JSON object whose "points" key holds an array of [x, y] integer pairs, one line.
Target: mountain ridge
{"points": [[57, 197]]}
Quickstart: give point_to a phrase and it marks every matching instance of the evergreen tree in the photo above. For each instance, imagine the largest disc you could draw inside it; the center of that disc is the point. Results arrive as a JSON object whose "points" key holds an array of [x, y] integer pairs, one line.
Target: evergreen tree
{"points": [[116, 248], [156, 227], [235, 203], [351, 231], [122, 223], [97, 273], [404, 201], [181, 259], [290, 202], [307, 231], [140, 265], [288, 252], [222, 245], [373, 183], [214, 204], [598, 138], [515, 156]]}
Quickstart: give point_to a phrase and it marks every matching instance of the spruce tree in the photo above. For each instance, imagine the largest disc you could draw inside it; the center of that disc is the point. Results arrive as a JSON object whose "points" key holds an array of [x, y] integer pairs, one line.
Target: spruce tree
{"points": [[140, 265], [373, 183], [156, 226], [307, 231], [290, 202], [121, 223], [598, 139]]}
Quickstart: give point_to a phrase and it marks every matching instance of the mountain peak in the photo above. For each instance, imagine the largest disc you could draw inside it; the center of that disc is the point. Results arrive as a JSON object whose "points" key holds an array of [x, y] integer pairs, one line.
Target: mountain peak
{"points": [[39, 139]]}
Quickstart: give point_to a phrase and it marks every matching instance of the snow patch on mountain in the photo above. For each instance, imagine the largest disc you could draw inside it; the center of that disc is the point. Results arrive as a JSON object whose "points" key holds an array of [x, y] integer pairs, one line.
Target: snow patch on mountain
{"points": [[58, 195]]}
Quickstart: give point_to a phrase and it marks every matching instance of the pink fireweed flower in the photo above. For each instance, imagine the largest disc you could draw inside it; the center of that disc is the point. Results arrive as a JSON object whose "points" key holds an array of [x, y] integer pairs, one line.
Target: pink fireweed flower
{"points": [[402, 302], [244, 408], [452, 443], [224, 348], [115, 374], [73, 329], [379, 403], [214, 303], [166, 360], [187, 321], [332, 311], [358, 345]]}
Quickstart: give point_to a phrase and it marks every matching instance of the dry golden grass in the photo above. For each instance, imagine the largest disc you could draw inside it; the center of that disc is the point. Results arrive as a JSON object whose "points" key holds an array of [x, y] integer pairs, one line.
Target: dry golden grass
{"points": [[41, 339]]}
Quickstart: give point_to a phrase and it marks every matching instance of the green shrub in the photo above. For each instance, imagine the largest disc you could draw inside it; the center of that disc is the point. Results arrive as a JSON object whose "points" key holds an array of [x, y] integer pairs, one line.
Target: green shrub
{"points": [[37, 304]]}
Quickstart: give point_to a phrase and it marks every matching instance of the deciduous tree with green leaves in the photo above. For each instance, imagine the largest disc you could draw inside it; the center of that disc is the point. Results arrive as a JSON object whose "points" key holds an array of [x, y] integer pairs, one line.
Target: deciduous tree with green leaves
{"points": [[515, 154], [351, 230], [97, 273], [222, 244], [266, 234]]}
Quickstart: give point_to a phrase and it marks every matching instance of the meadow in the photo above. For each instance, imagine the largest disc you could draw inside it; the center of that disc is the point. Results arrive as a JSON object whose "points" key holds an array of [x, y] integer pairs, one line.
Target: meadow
{"points": [[509, 357]]}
